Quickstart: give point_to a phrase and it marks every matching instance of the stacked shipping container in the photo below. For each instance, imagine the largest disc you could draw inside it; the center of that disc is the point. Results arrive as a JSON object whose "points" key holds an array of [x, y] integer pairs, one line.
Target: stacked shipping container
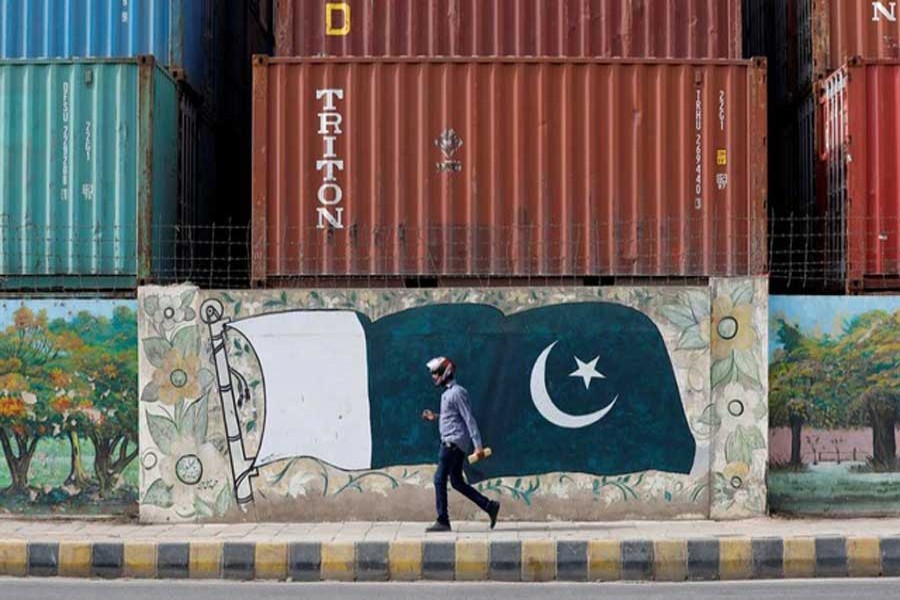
{"points": [[831, 31], [821, 36], [510, 166], [862, 154], [178, 33], [76, 246], [624, 223], [206, 46], [857, 140]]}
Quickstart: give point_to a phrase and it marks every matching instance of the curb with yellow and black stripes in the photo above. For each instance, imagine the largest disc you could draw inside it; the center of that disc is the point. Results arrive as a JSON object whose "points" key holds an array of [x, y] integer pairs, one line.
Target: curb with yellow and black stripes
{"points": [[461, 560]]}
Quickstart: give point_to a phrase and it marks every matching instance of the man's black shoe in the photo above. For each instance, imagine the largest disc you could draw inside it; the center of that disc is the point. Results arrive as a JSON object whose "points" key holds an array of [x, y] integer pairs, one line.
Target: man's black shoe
{"points": [[493, 511], [438, 527]]}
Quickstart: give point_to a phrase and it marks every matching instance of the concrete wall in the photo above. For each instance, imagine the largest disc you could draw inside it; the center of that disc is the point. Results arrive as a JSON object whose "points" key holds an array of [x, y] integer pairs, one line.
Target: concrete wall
{"points": [[304, 404]]}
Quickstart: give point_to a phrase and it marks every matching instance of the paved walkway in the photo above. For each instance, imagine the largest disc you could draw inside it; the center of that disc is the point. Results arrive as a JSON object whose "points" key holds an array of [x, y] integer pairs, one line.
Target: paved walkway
{"points": [[107, 531]]}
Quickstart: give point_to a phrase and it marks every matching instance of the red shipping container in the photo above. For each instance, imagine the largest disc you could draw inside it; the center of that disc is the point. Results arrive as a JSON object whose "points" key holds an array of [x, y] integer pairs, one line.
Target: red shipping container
{"points": [[468, 28], [502, 167], [862, 183], [807, 40], [830, 32]]}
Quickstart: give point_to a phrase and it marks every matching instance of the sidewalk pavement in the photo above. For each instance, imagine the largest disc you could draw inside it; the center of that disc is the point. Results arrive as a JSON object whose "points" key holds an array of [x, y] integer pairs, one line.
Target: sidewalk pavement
{"points": [[514, 551]]}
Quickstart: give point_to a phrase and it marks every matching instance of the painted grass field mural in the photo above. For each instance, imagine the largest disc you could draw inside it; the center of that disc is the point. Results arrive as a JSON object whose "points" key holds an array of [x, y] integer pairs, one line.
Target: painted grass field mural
{"points": [[68, 406]]}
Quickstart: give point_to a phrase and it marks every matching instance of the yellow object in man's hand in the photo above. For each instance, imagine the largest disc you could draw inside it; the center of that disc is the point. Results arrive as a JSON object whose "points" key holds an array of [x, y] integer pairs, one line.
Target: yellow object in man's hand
{"points": [[474, 458]]}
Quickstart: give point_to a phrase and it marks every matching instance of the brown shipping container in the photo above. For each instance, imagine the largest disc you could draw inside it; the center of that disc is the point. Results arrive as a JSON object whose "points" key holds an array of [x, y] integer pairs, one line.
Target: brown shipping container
{"points": [[862, 186], [508, 168], [574, 28]]}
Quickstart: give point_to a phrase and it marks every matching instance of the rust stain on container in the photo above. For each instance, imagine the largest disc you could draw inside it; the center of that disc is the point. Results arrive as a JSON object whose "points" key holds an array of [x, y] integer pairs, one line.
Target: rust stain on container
{"points": [[573, 28], [543, 167], [862, 158]]}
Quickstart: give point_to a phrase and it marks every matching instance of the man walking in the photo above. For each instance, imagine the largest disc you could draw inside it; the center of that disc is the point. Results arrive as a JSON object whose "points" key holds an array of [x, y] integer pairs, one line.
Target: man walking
{"points": [[459, 432]]}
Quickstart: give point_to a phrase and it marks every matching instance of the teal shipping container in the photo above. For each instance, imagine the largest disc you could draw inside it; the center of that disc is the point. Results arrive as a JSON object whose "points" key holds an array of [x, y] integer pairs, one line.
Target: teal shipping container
{"points": [[94, 171]]}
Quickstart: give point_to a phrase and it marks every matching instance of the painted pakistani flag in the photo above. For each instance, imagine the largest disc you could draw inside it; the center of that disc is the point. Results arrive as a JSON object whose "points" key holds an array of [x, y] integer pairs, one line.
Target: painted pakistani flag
{"points": [[585, 387]]}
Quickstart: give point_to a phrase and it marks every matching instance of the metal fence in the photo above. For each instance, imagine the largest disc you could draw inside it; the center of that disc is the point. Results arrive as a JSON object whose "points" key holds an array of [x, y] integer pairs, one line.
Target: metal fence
{"points": [[799, 255]]}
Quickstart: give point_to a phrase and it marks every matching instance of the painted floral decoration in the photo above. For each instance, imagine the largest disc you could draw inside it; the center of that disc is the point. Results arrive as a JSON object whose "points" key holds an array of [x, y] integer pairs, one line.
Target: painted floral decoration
{"points": [[735, 339], [166, 312], [733, 326], [178, 378]]}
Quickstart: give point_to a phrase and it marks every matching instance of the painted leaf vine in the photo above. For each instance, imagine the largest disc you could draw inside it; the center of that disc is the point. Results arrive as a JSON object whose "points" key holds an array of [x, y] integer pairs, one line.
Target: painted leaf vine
{"points": [[158, 494], [742, 442], [163, 431], [519, 490], [708, 422], [739, 366], [690, 312], [624, 484], [742, 294]]}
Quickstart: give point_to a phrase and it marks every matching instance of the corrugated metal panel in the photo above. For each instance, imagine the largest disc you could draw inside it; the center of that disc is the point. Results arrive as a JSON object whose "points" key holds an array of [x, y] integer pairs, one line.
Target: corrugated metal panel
{"points": [[834, 31], [508, 168], [180, 33], [862, 149], [88, 172], [870, 30], [574, 28]]}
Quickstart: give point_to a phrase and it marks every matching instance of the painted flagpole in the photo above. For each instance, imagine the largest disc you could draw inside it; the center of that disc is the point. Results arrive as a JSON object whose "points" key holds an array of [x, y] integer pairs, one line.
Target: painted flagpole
{"points": [[242, 468]]}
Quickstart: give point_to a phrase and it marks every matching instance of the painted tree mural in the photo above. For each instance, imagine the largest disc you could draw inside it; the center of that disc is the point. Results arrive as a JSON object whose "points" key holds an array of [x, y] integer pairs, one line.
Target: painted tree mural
{"points": [[72, 379], [26, 349], [851, 379], [106, 368], [791, 373], [870, 352]]}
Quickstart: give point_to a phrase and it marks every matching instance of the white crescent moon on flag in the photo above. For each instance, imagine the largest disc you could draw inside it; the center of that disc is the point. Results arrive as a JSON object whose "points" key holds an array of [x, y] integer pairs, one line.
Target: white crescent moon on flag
{"points": [[545, 405]]}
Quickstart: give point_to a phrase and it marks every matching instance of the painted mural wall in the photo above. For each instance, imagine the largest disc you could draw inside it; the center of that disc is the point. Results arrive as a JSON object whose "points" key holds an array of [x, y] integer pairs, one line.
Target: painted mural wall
{"points": [[598, 403], [834, 398], [68, 406]]}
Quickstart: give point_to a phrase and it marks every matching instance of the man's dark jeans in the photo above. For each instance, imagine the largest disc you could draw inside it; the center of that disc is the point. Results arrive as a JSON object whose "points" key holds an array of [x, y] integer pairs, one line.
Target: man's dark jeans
{"points": [[450, 465]]}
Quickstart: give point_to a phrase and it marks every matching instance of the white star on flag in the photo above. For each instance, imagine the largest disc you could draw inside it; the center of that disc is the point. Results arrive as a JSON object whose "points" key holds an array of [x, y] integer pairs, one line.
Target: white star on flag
{"points": [[587, 371]]}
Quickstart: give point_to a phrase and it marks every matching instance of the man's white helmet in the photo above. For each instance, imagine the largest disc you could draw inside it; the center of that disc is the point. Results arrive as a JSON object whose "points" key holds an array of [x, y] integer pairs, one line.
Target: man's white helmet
{"points": [[443, 367]]}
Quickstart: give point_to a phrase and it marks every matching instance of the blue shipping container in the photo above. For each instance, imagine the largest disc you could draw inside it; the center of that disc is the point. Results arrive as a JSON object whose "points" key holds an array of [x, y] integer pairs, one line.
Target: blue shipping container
{"points": [[181, 34]]}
